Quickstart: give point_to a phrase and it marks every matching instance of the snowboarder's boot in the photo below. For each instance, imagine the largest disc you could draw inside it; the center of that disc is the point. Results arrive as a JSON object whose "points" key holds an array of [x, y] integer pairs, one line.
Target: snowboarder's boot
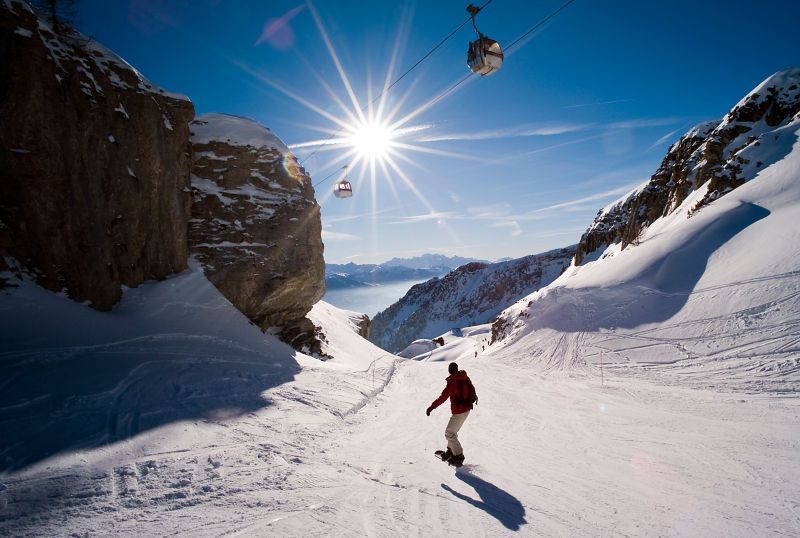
{"points": [[456, 461], [445, 454]]}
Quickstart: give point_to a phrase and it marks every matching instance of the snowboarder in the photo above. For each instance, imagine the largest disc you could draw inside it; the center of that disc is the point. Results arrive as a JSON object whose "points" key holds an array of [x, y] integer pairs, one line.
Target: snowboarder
{"points": [[462, 395]]}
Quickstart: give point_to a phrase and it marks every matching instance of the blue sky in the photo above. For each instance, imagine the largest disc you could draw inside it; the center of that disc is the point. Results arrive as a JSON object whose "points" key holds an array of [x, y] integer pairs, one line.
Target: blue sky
{"points": [[581, 111]]}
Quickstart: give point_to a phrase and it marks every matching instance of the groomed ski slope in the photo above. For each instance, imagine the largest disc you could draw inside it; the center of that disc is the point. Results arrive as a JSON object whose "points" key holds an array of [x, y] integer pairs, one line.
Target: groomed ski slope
{"points": [[334, 454], [172, 415]]}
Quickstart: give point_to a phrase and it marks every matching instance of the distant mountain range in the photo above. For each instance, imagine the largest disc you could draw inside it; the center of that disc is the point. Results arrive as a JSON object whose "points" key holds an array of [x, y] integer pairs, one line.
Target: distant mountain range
{"points": [[353, 275], [472, 294]]}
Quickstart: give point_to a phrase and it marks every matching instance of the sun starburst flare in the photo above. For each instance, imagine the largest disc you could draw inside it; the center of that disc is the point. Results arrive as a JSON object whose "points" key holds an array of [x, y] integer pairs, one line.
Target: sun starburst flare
{"points": [[368, 135]]}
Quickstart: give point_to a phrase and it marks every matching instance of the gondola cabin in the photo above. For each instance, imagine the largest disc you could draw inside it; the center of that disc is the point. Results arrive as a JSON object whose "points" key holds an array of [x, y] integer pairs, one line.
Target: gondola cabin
{"points": [[484, 56], [343, 189]]}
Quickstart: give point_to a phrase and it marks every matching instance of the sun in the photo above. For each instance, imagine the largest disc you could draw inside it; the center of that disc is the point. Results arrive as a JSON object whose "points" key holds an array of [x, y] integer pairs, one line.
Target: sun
{"points": [[372, 140]]}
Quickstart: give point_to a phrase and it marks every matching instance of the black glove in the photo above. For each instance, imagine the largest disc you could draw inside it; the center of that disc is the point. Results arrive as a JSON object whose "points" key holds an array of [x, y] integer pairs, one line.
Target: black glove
{"points": [[428, 411]]}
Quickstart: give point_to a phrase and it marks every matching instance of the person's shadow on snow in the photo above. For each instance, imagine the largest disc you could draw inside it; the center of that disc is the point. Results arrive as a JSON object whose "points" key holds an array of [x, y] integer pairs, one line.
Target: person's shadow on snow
{"points": [[496, 502]]}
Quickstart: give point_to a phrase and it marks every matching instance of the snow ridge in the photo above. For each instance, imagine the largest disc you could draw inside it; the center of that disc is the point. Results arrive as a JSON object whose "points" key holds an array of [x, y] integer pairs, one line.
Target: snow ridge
{"points": [[709, 161]]}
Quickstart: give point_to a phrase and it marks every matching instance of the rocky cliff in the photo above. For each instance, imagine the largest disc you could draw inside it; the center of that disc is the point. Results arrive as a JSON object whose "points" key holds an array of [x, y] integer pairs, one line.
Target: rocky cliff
{"points": [[709, 161], [94, 164], [472, 294], [255, 224]]}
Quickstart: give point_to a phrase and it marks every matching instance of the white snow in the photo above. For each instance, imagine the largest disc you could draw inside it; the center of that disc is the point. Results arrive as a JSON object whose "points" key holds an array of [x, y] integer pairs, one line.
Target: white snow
{"points": [[167, 123], [24, 32], [229, 244], [111, 139], [212, 155], [234, 130], [121, 109], [715, 297]]}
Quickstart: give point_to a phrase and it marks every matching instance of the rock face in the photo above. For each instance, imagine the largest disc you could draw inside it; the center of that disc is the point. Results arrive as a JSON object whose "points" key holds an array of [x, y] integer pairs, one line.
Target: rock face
{"points": [[364, 326], [472, 294], [255, 224], [709, 161], [94, 164]]}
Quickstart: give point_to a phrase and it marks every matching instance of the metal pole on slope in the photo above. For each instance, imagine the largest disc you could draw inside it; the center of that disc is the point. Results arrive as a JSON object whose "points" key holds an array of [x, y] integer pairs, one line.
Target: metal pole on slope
{"points": [[372, 365], [602, 380]]}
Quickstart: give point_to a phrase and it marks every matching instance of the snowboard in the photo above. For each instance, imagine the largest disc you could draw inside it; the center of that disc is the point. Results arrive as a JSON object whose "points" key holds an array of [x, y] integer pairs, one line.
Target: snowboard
{"points": [[440, 453]]}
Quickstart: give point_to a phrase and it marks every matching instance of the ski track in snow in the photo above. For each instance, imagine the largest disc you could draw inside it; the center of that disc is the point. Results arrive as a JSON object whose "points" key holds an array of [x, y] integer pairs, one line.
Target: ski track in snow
{"points": [[549, 453]]}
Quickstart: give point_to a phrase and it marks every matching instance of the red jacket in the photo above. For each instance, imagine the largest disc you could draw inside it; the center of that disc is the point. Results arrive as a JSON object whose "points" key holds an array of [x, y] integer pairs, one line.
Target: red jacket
{"points": [[455, 390]]}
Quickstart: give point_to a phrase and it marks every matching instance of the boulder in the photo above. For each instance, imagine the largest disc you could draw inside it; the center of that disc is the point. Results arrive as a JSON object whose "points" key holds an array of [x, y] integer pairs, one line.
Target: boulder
{"points": [[255, 224]]}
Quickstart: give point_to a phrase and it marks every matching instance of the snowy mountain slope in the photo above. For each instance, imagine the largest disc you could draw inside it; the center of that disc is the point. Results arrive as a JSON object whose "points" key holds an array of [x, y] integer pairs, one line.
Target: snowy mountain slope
{"points": [[326, 453], [713, 299], [173, 364], [710, 160], [473, 293]]}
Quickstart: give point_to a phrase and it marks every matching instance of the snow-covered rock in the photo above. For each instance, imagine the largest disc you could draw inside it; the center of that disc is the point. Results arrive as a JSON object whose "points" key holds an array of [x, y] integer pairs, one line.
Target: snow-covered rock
{"points": [[472, 294], [255, 224], [710, 160], [94, 190], [417, 348]]}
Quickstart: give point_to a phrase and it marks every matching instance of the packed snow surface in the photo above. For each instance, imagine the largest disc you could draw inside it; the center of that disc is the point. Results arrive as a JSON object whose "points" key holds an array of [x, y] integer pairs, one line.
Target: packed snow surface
{"points": [[652, 392]]}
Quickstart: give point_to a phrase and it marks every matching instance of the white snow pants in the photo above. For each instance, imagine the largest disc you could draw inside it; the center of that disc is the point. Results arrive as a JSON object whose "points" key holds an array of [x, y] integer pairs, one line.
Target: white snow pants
{"points": [[451, 432]]}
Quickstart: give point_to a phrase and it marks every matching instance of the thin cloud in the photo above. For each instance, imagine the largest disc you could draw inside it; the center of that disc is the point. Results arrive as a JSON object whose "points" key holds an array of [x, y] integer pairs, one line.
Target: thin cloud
{"points": [[412, 129], [535, 214], [509, 132], [359, 216], [328, 235], [494, 211], [433, 215], [601, 103], [511, 224], [664, 138], [521, 131], [644, 122]]}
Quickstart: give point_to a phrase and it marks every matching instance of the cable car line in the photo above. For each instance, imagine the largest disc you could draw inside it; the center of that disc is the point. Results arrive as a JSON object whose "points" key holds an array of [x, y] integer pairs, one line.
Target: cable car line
{"points": [[538, 24], [460, 26], [398, 79], [326, 177], [482, 59]]}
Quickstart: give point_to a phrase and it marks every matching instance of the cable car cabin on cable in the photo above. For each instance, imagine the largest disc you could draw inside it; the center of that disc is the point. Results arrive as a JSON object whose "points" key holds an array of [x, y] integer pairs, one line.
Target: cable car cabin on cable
{"points": [[484, 55], [343, 189]]}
